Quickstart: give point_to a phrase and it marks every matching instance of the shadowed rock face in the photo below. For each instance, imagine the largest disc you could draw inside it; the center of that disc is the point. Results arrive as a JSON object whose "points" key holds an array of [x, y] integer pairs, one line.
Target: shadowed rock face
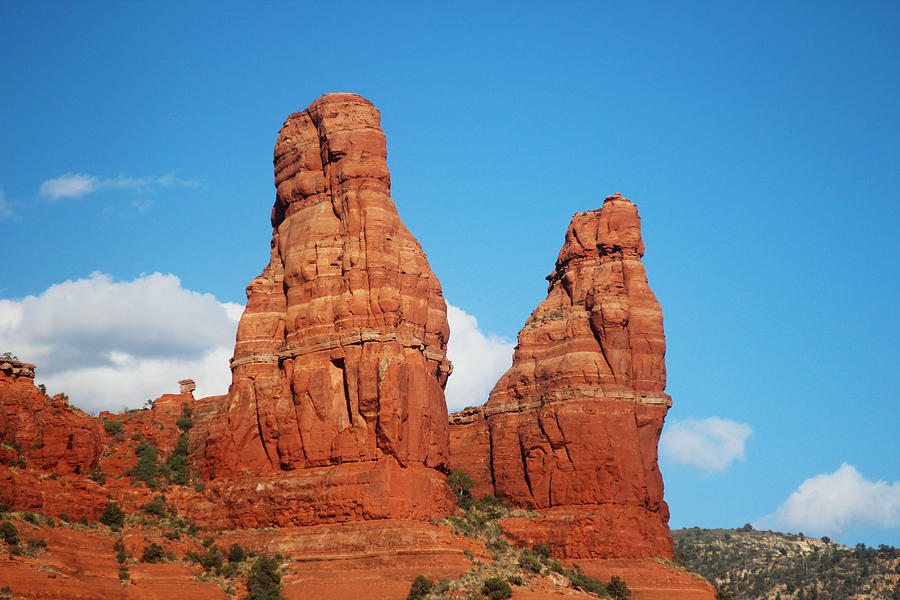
{"points": [[573, 425], [340, 360]]}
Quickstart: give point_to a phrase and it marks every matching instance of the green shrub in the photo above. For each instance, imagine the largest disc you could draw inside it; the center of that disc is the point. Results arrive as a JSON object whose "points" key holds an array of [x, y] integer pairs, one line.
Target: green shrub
{"points": [[4, 508], [36, 544], [112, 426], [618, 590], [112, 515], [529, 561], [147, 467], [588, 584], [97, 475], [123, 573], [30, 517], [461, 485], [9, 533], [178, 463], [184, 422], [496, 588], [230, 570], [152, 553], [157, 507], [6, 593], [211, 559], [542, 550], [236, 554], [420, 588], [119, 547], [264, 581]]}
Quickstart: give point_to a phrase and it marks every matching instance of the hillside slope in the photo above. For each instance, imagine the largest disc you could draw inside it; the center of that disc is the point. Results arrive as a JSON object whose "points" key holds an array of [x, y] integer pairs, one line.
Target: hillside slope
{"points": [[756, 565]]}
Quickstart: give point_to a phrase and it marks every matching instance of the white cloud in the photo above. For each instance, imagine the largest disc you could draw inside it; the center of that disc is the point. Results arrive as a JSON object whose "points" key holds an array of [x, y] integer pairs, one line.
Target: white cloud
{"points": [[73, 185], [5, 211], [831, 503], [710, 444], [112, 343], [478, 359], [107, 343]]}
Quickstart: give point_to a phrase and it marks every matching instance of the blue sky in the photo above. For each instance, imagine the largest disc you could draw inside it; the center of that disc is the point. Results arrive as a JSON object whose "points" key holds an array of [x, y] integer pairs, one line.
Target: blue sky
{"points": [[759, 141]]}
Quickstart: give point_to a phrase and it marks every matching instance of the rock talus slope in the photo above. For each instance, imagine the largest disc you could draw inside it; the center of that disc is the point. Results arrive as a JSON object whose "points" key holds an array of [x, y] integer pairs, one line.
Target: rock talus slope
{"points": [[572, 427], [336, 410]]}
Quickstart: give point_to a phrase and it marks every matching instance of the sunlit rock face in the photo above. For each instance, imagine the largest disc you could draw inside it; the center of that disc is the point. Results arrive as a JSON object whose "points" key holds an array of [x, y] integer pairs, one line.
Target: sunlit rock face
{"points": [[573, 426], [336, 409], [46, 433]]}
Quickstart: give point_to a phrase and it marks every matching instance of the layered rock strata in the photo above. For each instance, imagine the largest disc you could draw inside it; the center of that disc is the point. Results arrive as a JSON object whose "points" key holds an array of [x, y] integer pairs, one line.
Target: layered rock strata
{"points": [[572, 427], [336, 410], [46, 433]]}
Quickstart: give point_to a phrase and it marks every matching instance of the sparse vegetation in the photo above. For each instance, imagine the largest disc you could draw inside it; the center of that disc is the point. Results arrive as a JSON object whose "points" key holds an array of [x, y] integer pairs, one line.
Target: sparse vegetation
{"points": [[184, 422], [481, 520], [156, 507], [529, 561], [112, 515], [97, 475], [236, 554], [119, 547], [461, 485], [112, 427], [496, 588], [177, 463], [748, 564], [618, 590], [147, 468], [153, 553], [264, 580], [421, 587], [9, 533]]}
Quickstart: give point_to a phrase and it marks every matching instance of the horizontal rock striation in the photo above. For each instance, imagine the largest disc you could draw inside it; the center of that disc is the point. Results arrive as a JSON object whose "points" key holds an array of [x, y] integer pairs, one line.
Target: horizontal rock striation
{"points": [[46, 433], [336, 409], [573, 425]]}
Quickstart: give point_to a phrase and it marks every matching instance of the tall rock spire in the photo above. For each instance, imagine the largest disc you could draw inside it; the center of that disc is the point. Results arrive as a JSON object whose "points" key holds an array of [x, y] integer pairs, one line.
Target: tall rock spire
{"points": [[573, 425], [337, 399]]}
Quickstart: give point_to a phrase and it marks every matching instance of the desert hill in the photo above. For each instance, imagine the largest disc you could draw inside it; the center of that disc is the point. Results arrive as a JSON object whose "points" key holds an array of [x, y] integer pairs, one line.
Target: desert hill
{"points": [[757, 565]]}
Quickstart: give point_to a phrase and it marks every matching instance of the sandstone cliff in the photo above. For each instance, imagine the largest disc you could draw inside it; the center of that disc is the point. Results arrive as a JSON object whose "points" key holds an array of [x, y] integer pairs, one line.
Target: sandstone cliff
{"points": [[42, 431], [573, 425], [336, 410]]}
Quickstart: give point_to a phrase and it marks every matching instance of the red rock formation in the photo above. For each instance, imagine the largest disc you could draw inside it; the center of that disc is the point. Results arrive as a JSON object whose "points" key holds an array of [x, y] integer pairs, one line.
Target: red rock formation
{"points": [[336, 409], [573, 425], [43, 432]]}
